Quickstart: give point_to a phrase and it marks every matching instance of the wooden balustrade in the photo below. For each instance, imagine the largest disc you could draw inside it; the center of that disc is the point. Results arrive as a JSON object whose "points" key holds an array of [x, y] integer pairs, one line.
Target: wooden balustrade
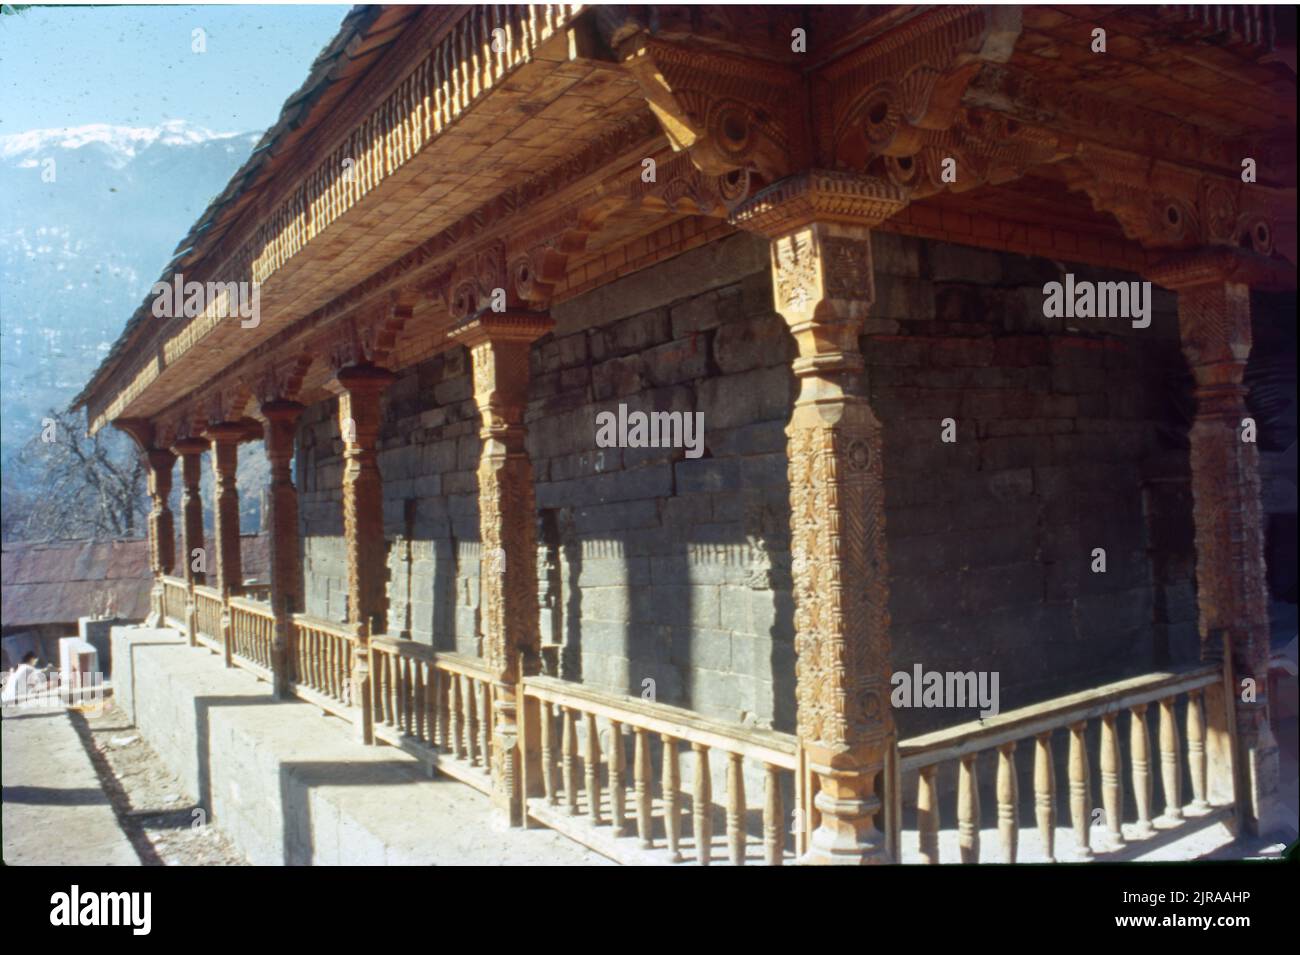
{"points": [[176, 599], [252, 634], [591, 806], [436, 706], [962, 746], [208, 609], [320, 659]]}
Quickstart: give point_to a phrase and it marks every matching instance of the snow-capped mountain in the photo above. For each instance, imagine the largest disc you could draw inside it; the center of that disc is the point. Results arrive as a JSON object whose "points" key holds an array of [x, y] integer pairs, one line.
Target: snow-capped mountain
{"points": [[88, 218]]}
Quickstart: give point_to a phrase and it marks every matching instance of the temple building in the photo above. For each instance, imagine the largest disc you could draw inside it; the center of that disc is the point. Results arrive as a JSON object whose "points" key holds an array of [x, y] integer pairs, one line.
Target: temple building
{"points": [[938, 324]]}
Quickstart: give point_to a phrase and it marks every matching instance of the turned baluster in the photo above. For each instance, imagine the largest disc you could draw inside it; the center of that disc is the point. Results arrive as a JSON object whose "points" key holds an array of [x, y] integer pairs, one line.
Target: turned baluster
{"points": [[617, 792], [1112, 792], [313, 660], [548, 753], [569, 757], [642, 772], [483, 696], [1171, 767], [446, 741], [672, 785], [968, 809], [1008, 802], [773, 817], [927, 814], [470, 700], [409, 710], [1139, 744], [1196, 748], [394, 694], [1080, 795], [430, 705], [592, 767], [457, 716], [416, 721], [377, 696], [736, 808], [1045, 794], [702, 804]]}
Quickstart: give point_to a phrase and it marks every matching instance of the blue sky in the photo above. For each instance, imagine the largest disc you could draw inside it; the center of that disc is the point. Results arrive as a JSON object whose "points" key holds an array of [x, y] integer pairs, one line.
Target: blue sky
{"points": [[134, 66]]}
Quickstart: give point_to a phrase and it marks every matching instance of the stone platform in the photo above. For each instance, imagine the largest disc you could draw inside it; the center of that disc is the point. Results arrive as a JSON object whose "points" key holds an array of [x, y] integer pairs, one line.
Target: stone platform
{"points": [[291, 786]]}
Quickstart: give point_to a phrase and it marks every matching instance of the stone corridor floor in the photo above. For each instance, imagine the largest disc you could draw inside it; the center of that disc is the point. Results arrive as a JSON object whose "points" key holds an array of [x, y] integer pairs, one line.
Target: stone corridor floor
{"points": [[55, 809]]}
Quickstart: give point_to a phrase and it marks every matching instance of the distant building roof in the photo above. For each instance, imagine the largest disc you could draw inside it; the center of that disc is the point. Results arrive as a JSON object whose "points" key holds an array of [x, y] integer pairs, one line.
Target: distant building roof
{"points": [[59, 581]]}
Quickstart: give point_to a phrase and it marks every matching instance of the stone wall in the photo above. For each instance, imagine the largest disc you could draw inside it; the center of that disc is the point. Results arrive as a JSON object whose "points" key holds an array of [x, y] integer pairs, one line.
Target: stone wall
{"points": [[658, 567], [1070, 436]]}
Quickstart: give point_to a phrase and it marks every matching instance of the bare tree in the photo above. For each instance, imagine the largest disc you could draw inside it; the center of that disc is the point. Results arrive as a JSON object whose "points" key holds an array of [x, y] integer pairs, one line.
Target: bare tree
{"points": [[76, 486]]}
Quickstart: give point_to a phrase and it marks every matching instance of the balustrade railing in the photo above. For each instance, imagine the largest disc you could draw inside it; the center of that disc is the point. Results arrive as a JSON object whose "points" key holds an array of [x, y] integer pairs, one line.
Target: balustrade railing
{"points": [[611, 805], [252, 634], [1038, 726], [435, 705], [208, 609], [176, 599], [591, 761], [320, 655]]}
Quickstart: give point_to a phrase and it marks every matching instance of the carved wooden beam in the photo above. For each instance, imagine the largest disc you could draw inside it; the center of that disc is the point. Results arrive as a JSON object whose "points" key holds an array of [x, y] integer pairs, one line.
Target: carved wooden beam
{"points": [[1165, 205], [1026, 98]]}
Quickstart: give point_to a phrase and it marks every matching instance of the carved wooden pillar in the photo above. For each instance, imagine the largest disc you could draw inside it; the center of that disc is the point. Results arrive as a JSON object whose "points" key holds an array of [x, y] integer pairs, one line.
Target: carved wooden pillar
{"points": [[162, 534], [822, 276], [225, 438], [498, 344], [190, 451], [286, 571], [1213, 287], [360, 390]]}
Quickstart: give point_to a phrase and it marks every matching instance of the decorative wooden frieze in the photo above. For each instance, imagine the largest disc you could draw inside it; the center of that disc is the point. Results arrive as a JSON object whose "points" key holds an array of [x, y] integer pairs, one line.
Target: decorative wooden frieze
{"points": [[499, 344], [1213, 289], [818, 224]]}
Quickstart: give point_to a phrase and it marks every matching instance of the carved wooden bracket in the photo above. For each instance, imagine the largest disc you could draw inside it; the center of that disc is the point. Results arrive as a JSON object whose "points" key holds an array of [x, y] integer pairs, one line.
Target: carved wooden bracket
{"points": [[1164, 205], [986, 148], [278, 379], [679, 187], [885, 97], [727, 111], [368, 339], [140, 431]]}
